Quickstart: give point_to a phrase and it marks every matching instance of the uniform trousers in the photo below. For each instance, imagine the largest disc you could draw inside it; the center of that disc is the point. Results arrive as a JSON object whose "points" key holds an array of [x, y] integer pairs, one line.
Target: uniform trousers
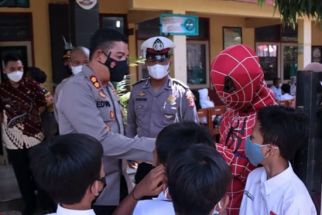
{"points": [[20, 162]]}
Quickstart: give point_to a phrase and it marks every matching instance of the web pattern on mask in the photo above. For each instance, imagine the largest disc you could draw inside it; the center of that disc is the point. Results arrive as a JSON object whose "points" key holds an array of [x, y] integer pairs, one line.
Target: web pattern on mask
{"points": [[240, 63]]}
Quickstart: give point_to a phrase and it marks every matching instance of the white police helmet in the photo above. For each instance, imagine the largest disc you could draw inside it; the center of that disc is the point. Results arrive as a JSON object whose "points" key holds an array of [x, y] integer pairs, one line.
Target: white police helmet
{"points": [[156, 46]]}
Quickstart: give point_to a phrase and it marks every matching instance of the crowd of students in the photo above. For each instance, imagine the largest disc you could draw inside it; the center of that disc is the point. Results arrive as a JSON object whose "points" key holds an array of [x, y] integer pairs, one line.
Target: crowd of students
{"points": [[190, 177]]}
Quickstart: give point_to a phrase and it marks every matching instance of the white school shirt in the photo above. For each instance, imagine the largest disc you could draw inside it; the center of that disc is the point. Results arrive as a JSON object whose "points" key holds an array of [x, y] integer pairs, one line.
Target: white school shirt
{"points": [[63, 211], [283, 194], [156, 206], [277, 92]]}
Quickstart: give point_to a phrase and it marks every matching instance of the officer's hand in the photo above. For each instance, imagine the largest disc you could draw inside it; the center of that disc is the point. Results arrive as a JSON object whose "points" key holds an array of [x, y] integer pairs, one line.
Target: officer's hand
{"points": [[152, 184], [132, 164]]}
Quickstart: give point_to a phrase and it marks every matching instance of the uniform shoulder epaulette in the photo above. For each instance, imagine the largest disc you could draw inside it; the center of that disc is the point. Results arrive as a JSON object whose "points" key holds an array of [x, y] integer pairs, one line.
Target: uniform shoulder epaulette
{"points": [[140, 81], [95, 81], [175, 81]]}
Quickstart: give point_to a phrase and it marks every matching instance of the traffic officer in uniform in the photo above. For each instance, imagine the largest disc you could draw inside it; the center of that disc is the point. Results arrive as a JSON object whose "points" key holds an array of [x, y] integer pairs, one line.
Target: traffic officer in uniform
{"points": [[159, 100], [88, 104]]}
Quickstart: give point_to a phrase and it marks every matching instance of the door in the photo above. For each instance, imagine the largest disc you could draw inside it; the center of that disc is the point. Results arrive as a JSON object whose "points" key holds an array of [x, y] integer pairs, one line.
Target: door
{"points": [[289, 60], [269, 59]]}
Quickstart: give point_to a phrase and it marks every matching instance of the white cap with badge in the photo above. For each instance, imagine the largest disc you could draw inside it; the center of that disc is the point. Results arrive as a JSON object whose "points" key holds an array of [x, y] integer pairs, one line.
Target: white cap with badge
{"points": [[157, 45], [156, 51]]}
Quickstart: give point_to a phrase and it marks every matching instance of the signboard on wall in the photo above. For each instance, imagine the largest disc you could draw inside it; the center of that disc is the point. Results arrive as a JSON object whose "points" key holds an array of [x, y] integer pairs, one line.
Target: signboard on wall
{"points": [[178, 24], [14, 3], [15, 26]]}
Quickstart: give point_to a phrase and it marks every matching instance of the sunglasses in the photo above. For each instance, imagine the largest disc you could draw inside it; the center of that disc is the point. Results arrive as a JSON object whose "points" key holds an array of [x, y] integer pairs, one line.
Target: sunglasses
{"points": [[157, 58]]}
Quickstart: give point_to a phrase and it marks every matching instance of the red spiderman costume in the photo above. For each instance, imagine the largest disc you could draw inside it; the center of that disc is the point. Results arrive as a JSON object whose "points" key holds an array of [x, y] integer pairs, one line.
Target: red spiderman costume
{"points": [[239, 81]]}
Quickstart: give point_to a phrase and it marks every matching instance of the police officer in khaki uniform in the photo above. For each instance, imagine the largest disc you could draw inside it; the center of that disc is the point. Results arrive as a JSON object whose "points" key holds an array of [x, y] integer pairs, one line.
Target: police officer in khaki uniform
{"points": [[159, 100], [88, 104], [78, 57]]}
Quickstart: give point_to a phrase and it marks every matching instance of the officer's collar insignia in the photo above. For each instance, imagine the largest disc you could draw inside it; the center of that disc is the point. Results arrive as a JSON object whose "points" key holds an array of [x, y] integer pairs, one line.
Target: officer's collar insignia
{"points": [[172, 100], [158, 45], [141, 93], [95, 82], [169, 84], [102, 94]]}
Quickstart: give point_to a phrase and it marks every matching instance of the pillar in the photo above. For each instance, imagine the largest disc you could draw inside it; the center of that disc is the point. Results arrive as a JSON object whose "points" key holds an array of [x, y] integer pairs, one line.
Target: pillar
{"points": [[180, 55], [304, 42]]}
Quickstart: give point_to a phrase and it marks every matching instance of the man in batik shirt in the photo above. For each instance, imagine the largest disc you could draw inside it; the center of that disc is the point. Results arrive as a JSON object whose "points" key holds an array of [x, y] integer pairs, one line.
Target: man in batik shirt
{"points": [[21, 102]]}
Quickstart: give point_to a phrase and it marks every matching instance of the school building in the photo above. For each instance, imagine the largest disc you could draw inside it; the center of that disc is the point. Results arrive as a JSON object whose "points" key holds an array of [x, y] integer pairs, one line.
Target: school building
{"points": [[35, 28]]}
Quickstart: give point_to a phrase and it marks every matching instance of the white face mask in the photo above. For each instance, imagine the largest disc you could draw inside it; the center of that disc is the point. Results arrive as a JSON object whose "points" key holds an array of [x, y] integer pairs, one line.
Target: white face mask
{"points": [[158, 71], [76, 69], [15, 76]]}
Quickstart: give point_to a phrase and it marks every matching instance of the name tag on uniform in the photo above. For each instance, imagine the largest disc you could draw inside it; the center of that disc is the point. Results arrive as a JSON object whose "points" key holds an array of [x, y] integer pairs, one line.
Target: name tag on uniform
{"points": [[141, 99], [101, 104]]}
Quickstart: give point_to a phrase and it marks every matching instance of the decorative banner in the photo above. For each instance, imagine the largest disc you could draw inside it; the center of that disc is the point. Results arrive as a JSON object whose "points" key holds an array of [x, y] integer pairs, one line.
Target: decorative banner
{"points": [[178, 24], [86, 4]]}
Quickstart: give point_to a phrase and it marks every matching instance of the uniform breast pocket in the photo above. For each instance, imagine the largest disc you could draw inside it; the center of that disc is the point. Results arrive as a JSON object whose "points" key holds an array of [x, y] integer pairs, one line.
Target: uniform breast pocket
{"points": [[169, 114], [140, 108], [104, 112]]}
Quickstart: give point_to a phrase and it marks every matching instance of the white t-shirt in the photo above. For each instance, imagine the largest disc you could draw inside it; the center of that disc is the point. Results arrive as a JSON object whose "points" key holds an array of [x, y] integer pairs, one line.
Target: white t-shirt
{"points": [[63, 211], [286, 97], [156, 206], [277, 92], [284, 194]]}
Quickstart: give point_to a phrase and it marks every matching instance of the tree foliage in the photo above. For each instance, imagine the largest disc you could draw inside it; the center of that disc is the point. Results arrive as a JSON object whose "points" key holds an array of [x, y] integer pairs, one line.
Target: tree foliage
{"points": [[291, 9]]}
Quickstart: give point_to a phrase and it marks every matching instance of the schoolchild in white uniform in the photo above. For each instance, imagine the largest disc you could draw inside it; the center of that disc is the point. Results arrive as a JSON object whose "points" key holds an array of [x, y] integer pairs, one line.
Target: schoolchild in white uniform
{"points": [[70, 169], [275, 189], [171, 141], [198, 179]]}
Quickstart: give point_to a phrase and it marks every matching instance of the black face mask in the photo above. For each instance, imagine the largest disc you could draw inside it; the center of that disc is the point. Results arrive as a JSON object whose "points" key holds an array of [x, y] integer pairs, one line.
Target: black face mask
{"points": [[120, 69]]}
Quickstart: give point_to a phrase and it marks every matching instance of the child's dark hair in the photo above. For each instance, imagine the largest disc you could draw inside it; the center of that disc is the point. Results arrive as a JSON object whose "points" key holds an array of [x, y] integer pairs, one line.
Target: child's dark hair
{"points": [[286, 88], [179, 136], [37, 74], [67, 166], [197, 179], [283, 127]]}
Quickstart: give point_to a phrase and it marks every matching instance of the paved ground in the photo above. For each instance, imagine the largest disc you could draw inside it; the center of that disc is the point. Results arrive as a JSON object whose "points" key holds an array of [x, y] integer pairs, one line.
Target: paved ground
{"points": [[10, 198]]}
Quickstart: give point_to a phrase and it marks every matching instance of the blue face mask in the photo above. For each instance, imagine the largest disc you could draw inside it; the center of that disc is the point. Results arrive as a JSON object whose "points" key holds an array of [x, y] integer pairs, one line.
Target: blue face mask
{"points": [[253, 152]]}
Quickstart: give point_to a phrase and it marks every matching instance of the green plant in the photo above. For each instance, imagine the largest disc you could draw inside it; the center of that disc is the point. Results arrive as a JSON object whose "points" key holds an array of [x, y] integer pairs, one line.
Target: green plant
{"points": [[291, 9], [123, 92], [123, 88]]}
